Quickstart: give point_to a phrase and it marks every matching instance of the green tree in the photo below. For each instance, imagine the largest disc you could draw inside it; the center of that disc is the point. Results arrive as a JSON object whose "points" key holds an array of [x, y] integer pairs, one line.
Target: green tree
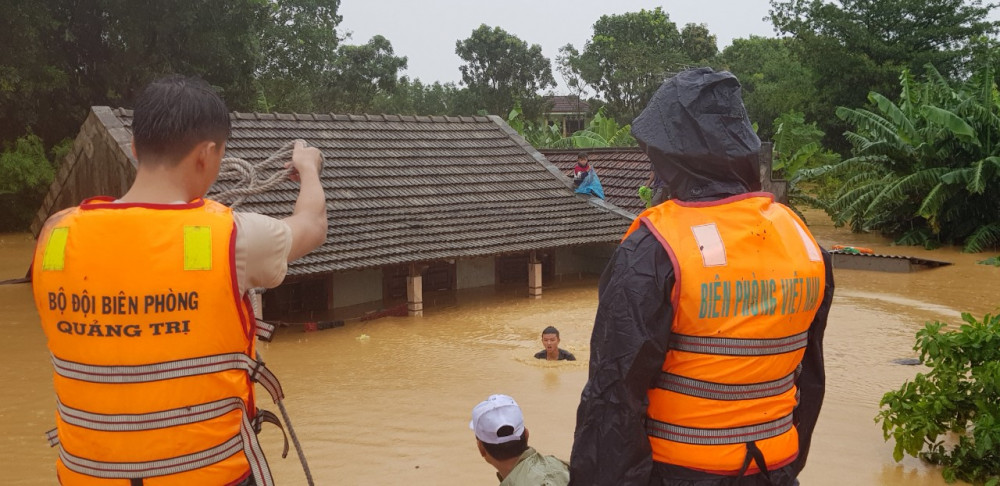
{"points": [[958, 397], [566, 65], [925, 169], [27, 173], [360, 74], [628, 57], [62, 56], [501, 69], [857, 46], [698, 43], [413, 97], [798, 147], [298, 46], [774, 81]]}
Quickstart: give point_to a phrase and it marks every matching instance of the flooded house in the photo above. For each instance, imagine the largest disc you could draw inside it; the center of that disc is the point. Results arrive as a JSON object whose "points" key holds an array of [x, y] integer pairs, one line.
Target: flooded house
{"points": [[415, 204]]}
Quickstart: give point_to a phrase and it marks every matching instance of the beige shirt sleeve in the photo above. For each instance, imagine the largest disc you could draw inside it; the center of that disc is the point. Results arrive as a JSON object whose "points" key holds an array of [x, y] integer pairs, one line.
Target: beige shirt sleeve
{"points": [[262, 246]]}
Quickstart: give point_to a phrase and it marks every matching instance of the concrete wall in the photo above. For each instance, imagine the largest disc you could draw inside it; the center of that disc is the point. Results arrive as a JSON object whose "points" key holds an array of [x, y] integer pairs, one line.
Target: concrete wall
{"points": [[356, 287], [475, 272], [586, 259]]}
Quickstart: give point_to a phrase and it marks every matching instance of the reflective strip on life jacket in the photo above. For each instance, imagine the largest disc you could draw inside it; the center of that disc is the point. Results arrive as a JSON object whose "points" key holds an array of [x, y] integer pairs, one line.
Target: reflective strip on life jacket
{"points": [[738, 347], [148, 421], [733, 435], [129, 470], [171, 369], [265, 330], [719, 391], [246, 440]]}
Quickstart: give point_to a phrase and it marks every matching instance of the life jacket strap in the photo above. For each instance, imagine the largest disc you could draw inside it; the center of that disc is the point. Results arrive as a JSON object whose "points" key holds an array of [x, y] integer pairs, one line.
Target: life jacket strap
{"points": [[720, 391], [246, 440], [733, 435], [171, 369], [738, 346], [265, 330], [266, 416]]}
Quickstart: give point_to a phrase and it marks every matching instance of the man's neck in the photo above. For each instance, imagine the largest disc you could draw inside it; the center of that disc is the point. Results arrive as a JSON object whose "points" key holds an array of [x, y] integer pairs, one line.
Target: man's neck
{"points": [[552, 355], [505, 467], [158, 186]]}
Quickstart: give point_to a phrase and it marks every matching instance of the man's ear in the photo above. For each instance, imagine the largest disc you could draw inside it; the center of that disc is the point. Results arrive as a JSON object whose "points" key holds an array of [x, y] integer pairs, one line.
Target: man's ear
{"points": [[132, 146], [482, 450], [203, 153]]}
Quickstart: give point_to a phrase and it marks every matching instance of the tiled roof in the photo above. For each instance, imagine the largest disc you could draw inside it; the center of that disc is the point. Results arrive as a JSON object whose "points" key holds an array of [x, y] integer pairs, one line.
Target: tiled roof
{"points": [[621, 170], [404, 189], [568, 104]]}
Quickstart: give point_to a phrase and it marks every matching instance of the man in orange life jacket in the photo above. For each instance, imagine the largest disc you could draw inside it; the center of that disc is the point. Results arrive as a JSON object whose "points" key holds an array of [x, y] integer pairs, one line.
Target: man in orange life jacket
{"points": [[706, 364], [144, 301]]}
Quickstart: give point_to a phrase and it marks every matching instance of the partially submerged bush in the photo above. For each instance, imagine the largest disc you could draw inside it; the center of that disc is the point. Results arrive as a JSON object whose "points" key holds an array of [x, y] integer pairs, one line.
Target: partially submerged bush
{"points": [[951, 415]]}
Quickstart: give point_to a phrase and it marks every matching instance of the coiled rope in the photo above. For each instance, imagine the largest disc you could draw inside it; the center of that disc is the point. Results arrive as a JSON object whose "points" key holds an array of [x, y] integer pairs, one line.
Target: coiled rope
{"points": [[248, 175], [249, 183]]}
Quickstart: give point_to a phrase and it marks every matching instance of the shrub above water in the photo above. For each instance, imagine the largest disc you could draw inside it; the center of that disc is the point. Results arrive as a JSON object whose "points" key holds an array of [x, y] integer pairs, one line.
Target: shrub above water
{"points": [[951, 415]]}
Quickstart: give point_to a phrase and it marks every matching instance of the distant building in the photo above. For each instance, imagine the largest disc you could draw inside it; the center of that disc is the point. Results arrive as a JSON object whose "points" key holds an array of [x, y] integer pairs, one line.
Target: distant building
{"points": [[569, 111], [415, 204]]}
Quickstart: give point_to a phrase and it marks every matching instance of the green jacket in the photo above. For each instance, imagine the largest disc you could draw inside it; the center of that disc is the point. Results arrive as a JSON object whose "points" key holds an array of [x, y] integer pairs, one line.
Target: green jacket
{"points": [[534, 469]]}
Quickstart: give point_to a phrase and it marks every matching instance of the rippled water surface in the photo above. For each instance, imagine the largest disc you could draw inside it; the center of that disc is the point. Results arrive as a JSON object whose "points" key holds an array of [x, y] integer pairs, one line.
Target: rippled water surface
{"points": [[388, 401]]}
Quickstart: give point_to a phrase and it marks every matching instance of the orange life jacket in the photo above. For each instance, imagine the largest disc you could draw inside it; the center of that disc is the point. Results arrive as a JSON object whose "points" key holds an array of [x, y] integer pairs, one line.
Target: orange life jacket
{"points": [[749, 278], [152, 345]]}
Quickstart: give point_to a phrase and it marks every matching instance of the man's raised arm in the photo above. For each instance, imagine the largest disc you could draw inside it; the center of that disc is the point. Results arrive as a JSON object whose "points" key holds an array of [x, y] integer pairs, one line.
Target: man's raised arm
{"points": [[308, 219]]}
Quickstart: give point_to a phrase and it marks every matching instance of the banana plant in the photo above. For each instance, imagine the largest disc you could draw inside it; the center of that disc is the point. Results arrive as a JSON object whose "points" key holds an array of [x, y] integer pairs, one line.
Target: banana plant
{"points": [[925, 169]]}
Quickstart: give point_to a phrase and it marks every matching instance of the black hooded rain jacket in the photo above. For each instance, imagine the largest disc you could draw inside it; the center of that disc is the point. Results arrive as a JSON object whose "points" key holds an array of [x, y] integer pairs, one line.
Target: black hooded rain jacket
{"points": [[699, 139]]}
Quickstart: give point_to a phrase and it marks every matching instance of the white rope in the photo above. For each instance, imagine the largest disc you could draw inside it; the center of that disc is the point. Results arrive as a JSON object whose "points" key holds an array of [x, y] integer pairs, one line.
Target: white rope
{"points": [[248, 177], [249, 183]]}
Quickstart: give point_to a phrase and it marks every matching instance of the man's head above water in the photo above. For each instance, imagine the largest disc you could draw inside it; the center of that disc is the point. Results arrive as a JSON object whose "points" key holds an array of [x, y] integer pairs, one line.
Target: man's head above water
{"points": [[550, 340], [698, 137]]}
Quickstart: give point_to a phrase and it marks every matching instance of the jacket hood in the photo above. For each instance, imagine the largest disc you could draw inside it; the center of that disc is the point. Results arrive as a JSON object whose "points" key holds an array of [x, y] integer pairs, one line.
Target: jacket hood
{"points": [[698, 137]]}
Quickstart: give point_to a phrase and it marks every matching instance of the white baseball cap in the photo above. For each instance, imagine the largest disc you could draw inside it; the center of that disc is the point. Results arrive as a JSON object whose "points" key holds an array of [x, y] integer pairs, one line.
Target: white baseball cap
{"points": [[492, 414]]}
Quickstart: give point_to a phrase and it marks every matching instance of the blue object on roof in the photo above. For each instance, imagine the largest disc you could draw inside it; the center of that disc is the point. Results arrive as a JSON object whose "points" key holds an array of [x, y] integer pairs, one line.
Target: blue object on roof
{"points": [[591, 184]]}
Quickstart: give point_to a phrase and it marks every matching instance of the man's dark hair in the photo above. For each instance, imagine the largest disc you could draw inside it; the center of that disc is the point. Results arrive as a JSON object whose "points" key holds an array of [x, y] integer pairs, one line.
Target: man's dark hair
{"points": [[583, 155], [550, 330], [507, 450], [175, 113]]}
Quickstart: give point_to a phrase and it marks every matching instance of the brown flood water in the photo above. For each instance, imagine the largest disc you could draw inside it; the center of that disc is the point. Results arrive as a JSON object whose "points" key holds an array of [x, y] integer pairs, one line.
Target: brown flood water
{"points": [[393, 407]]}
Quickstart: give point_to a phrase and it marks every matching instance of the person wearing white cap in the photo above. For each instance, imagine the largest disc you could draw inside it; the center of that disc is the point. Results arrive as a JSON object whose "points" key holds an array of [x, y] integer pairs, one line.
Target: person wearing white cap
{"points": [[503, 442]]}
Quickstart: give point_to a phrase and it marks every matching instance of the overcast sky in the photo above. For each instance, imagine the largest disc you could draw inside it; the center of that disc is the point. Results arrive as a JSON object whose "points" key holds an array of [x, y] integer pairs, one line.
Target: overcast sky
{"points": [[425, 31]]}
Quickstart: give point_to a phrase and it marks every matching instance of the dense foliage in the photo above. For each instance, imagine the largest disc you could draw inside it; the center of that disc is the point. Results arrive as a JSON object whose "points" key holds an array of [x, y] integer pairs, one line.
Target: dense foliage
{"points": [[62, 56], [926, 169], [951, 415], [797, 149], [856, 46], [629, 55], [774, 80], [601, 132], [27, 173], [501, 69]]}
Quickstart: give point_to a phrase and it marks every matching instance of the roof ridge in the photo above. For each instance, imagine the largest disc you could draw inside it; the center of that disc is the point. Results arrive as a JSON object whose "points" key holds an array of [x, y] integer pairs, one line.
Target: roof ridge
{"points": [[328, 116], [369, 117]]}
